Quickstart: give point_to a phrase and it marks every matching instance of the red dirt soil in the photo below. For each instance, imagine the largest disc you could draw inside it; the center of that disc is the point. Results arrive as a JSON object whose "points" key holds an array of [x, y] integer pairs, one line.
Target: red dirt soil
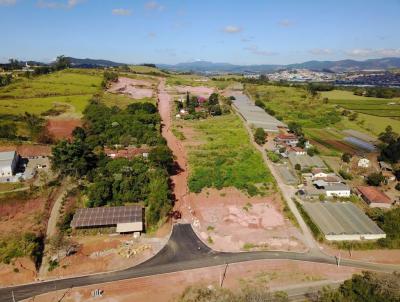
{"points": [[28, 150], [275, 274], [62, 129]]}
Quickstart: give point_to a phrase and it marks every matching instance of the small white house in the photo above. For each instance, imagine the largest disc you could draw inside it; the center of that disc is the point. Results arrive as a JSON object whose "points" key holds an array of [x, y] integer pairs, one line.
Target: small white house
{"points": [[337, 190], [363, 163]]}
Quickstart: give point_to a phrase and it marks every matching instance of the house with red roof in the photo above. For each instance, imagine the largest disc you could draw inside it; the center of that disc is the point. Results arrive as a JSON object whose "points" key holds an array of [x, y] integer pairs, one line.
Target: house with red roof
{"points": [[374, 197]]}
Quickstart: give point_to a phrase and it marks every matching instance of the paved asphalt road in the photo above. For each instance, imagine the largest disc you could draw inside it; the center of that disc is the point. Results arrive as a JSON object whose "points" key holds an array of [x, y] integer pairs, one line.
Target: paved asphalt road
{"points": [[183, 251]]}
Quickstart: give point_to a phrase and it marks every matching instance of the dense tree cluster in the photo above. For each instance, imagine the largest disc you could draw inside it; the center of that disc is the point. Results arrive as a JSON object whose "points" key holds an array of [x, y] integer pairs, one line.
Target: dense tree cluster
{"points": [[119, 181], [259, 136], [210, 106], [378, 92], [138, 124], [390, 150], [369, 286], [250, 293]]}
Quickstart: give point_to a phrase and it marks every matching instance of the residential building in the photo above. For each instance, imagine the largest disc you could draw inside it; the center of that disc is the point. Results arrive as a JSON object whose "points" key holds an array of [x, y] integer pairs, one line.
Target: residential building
{"points": [[287, 139], [374, 197], [363, 163], [333, 189]]}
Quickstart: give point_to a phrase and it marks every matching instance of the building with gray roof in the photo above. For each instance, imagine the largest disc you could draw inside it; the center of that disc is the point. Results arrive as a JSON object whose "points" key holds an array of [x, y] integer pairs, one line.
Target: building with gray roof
{"points": [[342, 221], [255, 115], [8, 163]]}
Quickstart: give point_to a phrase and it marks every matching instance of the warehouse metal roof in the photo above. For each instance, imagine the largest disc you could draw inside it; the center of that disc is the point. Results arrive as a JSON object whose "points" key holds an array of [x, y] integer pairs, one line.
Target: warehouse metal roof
{"points": [[106, 216], [6, 158], [255, 115], [339, 218]]}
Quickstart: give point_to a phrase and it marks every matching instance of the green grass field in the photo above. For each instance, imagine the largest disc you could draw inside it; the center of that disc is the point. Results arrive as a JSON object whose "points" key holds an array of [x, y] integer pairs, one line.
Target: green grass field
{"points": [[226, 158], [366, 105], [73, 88], [146, 70], [293, 104]]}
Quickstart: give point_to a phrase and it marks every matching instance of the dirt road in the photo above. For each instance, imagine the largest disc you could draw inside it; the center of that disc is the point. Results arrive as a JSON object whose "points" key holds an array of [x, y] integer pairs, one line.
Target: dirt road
{"points": [[179, 180]]}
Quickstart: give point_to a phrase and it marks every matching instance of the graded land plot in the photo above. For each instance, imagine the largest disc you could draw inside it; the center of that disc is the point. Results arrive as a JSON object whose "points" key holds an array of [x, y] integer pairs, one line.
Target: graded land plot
{"points": [[133, 88], [104, 252], [275, 275], [230, 220], [225, 157]]}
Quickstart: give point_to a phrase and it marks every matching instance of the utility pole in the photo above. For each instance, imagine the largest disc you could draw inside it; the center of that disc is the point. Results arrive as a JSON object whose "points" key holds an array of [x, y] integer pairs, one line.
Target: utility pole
{"points": [[222, 276], [12, 295]]}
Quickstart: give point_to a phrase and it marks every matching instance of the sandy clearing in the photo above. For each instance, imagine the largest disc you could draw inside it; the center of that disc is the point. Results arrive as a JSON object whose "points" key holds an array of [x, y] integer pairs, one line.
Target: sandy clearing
{"points": [[275, 274], [136, 89], [196, 90], [229, 220]]}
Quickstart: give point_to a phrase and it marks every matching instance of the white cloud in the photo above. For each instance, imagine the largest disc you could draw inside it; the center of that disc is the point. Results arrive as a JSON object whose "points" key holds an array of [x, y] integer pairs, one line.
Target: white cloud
{"points": [[231, 29], [320, 51], [121, 12], [8, 2], [285, 23], [153, 5], [260, 52], [369, 52], [58, 5]]}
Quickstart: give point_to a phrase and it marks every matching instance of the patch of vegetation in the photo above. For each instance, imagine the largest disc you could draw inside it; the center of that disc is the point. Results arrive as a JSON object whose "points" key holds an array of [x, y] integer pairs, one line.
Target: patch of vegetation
{"points": [[21, 245], [369, 286], [53, 264], [345, 175], [218, 294], [274, 157], [227, 158]]}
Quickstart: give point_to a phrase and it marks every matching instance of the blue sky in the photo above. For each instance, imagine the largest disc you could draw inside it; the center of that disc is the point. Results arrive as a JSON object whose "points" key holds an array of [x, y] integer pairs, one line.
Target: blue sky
{"points": [[235, 31]]}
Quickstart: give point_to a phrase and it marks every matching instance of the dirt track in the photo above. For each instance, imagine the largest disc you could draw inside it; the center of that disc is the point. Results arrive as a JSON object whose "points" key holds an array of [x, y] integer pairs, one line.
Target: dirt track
{"points": [[179, 180]]}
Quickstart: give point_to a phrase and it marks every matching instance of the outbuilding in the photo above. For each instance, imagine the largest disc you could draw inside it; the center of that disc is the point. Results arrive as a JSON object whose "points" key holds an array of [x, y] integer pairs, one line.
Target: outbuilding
{"points": [[374, 197], [8, 163], [126, 219]]}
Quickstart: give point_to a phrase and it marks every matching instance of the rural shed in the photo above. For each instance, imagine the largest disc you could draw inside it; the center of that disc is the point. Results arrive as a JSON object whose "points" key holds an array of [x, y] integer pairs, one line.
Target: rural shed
{"points": [[126, 219], [374, 197]]}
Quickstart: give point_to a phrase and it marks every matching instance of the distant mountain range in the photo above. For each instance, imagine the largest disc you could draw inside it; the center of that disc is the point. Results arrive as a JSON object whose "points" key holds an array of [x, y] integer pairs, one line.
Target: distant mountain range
{"points": [[92, 63], [210, 67], [334, 66]]}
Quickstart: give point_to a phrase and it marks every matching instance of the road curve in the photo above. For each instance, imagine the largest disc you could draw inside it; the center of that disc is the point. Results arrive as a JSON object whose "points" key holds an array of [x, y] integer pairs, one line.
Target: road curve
{"points": [[183, 251]]}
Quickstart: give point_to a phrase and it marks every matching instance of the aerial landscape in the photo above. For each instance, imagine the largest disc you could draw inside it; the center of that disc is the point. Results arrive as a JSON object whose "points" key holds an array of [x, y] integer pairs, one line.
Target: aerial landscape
{"points": [[193, 151]]}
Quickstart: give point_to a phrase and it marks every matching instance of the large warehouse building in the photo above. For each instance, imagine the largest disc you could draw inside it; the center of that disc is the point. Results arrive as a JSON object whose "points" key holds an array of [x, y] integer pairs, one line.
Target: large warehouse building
{"points": [[126, 219], [342, 221], [255, 115]]}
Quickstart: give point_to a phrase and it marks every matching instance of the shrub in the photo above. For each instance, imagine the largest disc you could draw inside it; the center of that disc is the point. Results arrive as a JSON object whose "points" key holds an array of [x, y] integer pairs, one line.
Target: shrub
{"points": [[345, 175], [273, 156], [375, 179]]}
